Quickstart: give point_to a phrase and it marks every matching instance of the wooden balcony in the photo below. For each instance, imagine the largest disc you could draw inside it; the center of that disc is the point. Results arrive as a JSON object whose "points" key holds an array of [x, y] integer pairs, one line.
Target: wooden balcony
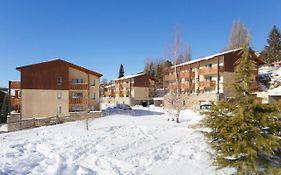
{"points": [[14, 85], [109, 93], [187, 75], [210, 70], [207, 84], [15, 101], [187, 85], [77, 100], [169, 77], [173, 87], [78, 86]]}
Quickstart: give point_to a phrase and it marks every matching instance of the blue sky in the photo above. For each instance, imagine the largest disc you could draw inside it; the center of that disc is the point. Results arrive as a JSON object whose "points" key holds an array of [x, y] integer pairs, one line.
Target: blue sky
{"points": [[100, 35]]}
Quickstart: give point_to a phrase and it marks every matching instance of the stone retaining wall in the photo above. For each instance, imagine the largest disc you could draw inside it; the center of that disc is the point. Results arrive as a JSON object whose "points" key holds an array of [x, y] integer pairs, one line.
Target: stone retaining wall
{"points": [[192, 101]]}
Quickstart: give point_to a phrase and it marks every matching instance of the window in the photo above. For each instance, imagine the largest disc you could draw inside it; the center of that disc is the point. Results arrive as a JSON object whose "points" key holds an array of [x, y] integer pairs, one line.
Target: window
{"points": [[94, 96], [59, 95], [59, 110], [77, 81], [77, 95], [208, 65], [93, 83], [208, 78], [59, 80]]}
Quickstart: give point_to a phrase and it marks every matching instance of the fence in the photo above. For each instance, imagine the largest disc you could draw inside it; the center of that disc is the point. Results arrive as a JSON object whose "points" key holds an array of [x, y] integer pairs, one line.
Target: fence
{"points": [[15, 122]]}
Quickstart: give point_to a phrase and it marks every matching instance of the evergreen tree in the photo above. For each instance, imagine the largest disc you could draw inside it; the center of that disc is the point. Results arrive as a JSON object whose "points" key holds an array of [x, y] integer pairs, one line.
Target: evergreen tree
{"points": [[5, 109], [121, 71], [272, 52], [245, 132]]}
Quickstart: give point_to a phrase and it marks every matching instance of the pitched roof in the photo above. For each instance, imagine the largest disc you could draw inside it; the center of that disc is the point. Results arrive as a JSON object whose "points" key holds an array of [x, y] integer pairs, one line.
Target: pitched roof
{"points": [[130, 76], [65, 62], [212, 56], [207, 57]]}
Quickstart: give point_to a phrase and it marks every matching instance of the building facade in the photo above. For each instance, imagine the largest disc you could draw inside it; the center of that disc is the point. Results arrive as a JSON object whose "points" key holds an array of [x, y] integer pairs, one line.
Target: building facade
{"points": [[205, 79], [131, 90], [55, 88]]}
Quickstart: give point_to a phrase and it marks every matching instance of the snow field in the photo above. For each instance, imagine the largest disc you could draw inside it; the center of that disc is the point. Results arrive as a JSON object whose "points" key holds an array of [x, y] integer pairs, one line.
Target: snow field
{"points": [[118, 144]]}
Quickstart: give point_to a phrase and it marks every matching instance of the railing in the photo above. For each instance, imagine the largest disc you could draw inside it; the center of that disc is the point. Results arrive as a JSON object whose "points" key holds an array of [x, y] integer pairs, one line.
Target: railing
{"points": [[15, 101], [207, 84], [78, 86], [187, 85], [169, 77], [77, 100], [211, 70], [15, 85], [186, 74]]}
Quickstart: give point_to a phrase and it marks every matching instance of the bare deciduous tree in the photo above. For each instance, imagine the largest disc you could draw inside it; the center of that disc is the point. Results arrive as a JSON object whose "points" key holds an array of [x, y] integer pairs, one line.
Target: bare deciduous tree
{"points": [[239, 35], [175, 99]]}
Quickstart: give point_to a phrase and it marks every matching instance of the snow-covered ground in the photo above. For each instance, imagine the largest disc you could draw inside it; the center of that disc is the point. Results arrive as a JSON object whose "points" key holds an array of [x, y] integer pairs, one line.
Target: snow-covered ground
{"points": [[146, 143]]}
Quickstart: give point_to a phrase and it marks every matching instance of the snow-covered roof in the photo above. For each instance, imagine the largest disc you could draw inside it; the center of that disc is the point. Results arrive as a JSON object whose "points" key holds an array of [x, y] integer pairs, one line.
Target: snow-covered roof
{"points": [[5, 92], [129, 76], [207, 57]]}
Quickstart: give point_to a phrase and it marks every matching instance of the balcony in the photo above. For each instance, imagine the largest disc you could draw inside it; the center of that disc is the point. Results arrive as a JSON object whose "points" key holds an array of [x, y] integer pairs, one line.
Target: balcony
{"points": [[210, 70], [187, 74], [109, 94], [14, 85], [15, 101], [207, 84], [169, 77], [77, 100], [78, 86], [187, 86]]}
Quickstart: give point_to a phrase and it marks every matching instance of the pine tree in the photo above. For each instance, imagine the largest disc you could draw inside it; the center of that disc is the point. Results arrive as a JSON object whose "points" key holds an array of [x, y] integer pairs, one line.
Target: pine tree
{"points": [[121, 71], [272, 52], [245, 132], [5, 109]]}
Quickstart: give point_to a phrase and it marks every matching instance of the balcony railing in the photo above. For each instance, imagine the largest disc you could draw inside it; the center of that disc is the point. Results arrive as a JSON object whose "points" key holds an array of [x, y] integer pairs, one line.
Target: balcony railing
{"points": [[187, 85], [78, 86], [207, 84], [15, 85], [15, 101], [210, 70], [77, 100], [186, 75], [169, 77]]}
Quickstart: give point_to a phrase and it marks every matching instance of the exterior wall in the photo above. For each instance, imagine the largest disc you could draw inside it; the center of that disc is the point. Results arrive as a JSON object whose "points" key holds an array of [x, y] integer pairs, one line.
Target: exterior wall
{"points": [[43, 103], [123, 100], [44, 76], [228, 80], [94, 88], [140, 93], [92, 83]]}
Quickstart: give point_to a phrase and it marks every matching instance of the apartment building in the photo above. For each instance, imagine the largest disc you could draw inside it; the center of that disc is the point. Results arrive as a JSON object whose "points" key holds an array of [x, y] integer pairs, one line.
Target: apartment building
{"points": [[15, 95], [205, 79], [131, 90], [55, 88]]}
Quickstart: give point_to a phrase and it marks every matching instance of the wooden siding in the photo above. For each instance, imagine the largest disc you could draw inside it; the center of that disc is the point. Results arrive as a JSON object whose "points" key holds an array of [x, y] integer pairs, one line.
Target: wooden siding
{"points": [[44, 76]]}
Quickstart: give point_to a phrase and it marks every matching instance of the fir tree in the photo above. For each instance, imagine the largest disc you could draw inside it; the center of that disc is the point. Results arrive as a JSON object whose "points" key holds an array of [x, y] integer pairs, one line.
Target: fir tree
{"points": [[121, 71], [5, 109], [245, 132], [272, 52]]}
